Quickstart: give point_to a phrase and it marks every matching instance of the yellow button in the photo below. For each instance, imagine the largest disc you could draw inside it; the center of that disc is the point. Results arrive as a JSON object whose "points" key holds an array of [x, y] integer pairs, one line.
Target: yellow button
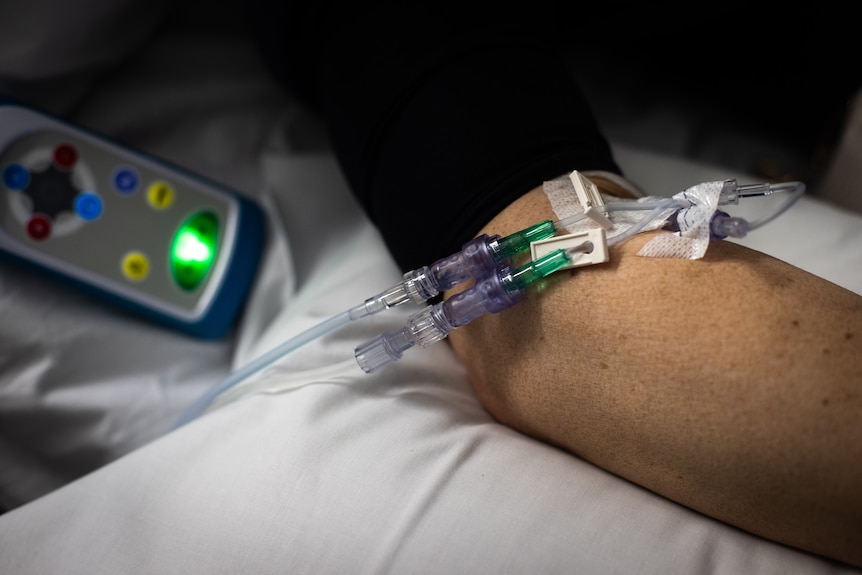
{"points": [[160, 195], [136, 266]]}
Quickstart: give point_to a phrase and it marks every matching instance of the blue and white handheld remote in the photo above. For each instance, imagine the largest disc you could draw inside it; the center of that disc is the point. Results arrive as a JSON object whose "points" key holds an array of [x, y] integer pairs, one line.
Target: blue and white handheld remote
{"points": [[127, 226]]}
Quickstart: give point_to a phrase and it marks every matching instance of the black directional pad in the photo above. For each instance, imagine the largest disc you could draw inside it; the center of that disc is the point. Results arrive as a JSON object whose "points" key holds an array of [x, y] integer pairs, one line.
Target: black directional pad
{"points": [[51, 191]]}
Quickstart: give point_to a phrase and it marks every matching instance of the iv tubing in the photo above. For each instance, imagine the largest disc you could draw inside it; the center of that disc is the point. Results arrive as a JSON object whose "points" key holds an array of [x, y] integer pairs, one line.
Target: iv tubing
{"points": [[798, 188], [730, 195], [642, 223], [319, 330], [656, 207]]}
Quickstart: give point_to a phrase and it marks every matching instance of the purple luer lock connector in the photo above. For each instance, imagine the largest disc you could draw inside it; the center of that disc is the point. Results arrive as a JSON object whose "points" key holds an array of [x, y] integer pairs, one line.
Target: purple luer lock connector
{"points": [[478, 258], [487, 296], [434, 323], [475, 260]]}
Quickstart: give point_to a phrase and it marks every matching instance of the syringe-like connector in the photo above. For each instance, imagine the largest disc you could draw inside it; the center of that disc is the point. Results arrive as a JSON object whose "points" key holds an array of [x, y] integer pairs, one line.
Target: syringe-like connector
{"points": [[723, 225], [731, 191], [478, 258], [505, 248], [396, 295], [492, 294]]}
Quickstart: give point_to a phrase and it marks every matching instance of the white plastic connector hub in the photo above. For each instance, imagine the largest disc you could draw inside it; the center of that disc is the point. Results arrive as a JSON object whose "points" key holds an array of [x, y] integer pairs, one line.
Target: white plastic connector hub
{"points": [[586, 248], [590, 198]]}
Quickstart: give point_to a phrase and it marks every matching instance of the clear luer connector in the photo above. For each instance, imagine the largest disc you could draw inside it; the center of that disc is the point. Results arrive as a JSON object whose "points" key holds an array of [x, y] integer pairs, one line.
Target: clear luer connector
{"points": [[394, 296], [492, 294], [730, 194], [475, 259], [478, 258]]}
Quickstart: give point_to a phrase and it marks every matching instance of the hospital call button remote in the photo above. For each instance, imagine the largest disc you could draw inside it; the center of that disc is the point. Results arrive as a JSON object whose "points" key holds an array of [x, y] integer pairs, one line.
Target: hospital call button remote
{"points": [[129, 227]]}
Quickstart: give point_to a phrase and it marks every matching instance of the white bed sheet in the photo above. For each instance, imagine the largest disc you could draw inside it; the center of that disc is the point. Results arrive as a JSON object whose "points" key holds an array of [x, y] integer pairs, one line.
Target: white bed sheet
{"points": [[401, 472]]}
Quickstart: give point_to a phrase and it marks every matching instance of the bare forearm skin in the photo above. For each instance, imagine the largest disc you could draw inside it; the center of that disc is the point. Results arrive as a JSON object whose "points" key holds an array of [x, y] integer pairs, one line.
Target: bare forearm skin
{"points": [[731, 384]]}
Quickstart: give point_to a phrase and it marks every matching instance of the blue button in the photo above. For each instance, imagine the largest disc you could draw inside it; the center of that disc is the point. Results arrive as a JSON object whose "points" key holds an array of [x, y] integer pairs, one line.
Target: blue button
{"points": [[16, 177], [126, 180], [88, 206]]}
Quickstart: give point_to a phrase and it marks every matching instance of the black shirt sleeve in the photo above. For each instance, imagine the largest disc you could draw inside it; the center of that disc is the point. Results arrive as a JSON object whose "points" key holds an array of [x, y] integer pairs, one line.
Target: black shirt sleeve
{"points": [[438, 120]]}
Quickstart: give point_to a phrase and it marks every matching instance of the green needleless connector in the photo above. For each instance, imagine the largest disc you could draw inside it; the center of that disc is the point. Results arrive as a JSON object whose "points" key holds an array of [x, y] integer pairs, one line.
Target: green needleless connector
{"points": [[540, 268], [520, 241]]}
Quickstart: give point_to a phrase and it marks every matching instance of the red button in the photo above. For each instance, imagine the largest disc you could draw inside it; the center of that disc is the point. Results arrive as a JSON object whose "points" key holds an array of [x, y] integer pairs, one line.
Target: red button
{"points": [[39, 227], [65, 156]]}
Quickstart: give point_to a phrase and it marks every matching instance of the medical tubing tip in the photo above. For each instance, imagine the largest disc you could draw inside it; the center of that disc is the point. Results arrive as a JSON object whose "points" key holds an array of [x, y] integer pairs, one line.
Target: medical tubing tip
{"points": [[731, 192], [394, 296], [723, 225]]}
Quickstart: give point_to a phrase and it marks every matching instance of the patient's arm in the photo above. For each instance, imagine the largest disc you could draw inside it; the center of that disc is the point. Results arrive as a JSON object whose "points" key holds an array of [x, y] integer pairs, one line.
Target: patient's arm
{"points": [[731, 384]]}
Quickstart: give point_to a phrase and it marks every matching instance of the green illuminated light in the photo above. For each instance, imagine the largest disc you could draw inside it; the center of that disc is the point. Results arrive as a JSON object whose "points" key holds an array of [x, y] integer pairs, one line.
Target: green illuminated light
{"points": [[193, 250]]}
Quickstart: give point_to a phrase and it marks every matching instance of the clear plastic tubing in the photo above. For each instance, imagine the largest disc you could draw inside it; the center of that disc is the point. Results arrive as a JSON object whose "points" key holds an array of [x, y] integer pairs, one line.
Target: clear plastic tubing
{"points": [[252, 367], [656, 206], [723, 225], [731, 193], [657, 211]]}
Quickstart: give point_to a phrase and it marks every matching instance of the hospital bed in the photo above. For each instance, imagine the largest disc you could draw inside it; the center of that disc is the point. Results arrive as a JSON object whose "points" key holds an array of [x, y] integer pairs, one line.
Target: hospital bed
{"points": [[311, 466]]}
